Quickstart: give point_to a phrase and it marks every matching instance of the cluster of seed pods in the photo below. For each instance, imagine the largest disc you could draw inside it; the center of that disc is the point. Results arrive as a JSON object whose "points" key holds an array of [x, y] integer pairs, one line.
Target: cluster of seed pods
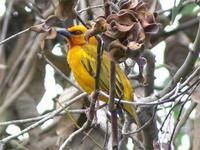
{"points": [[126, 28]]}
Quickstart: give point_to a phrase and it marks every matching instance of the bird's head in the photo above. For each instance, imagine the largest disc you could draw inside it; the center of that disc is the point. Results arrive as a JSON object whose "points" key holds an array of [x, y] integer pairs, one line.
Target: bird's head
{"points": [[75, 34]]}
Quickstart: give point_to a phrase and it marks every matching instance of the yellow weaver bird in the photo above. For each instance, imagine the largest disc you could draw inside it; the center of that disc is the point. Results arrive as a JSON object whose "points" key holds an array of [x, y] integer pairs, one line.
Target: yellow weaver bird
{"points": [[82, 60]]}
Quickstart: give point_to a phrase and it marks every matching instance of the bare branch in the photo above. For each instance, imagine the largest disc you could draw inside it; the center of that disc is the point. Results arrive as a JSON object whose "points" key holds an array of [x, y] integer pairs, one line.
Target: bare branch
{"points": [[3, 35], [14, 36], [75, 111], [143, 126], [179, 115], [112, 106], [184, 118], [183, 71], [61, 73], [10, 99], [89, 7], [51, 115]]}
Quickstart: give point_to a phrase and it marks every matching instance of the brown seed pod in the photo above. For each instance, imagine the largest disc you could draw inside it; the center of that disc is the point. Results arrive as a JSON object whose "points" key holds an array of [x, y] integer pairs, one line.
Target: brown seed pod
{"points": [[127, 28]]}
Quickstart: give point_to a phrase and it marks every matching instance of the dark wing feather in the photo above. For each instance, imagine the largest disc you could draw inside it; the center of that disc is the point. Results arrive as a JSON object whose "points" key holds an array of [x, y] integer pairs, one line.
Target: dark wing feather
{"points": [[89, 62]]}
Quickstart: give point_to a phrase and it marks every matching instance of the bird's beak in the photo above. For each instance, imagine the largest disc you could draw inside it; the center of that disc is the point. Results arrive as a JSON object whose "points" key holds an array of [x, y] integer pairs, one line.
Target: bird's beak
{"points": [[64, 32]]}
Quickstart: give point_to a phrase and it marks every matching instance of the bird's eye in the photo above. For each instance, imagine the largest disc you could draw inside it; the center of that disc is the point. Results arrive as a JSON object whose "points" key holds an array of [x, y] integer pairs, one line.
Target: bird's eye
{"points": [[78, 32]]}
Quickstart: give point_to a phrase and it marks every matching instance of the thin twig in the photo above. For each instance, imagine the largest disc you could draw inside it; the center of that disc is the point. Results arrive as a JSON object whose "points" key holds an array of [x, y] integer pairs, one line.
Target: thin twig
{"points": [[179, 115], [150, 132], [21, 88], [87, 134], [51, 115], [187, 65], [167, 94], [22, 121], [14, 36], [183, 71], [14, 90], [28, 57], [106, 135], [3, 35], [6, 20], [89, 7], [138, 143], [112, 106], [66, 144], [169, 97], [61, 73], [181, 27], [177, 120], [184, 118], [144, 125], [16, 64], [169, 113]]}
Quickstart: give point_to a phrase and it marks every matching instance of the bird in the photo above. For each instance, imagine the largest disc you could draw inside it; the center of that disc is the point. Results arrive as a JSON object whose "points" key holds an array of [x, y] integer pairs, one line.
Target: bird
{"points": [[81, 58]]}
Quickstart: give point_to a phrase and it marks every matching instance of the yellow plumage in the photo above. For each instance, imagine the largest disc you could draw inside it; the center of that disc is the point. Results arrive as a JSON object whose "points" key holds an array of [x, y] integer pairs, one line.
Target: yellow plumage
{"points": [[82, 60]]}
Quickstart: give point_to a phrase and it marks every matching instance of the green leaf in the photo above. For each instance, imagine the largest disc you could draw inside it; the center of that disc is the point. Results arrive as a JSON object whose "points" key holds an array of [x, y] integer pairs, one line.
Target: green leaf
{"points": [[176, 10], [187, 10]]}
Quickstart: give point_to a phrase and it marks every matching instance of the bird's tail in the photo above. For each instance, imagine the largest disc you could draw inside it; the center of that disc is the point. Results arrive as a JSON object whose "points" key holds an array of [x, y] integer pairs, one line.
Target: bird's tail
{"points": [[132, 112]]}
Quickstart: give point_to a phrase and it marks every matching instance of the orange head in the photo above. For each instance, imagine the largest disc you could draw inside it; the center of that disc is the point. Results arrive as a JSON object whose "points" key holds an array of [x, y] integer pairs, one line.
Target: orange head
{"points": [[75, 34]]}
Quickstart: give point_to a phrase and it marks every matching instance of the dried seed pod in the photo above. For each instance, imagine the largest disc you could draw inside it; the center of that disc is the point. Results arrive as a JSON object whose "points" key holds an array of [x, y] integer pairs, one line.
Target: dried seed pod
{"points": [[117, 51], [130, 24], [99, 26]]}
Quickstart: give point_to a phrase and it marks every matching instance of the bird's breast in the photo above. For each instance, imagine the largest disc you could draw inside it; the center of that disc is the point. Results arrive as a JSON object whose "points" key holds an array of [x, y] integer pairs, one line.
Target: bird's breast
{"points": [[84, 79]]}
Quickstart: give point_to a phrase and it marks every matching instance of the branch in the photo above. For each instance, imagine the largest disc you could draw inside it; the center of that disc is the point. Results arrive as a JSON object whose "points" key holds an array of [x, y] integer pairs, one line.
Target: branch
{"points": [[61, 73], [184, 118], [51, 115], [89, 7], [15, 65], [187, 65], [22, 121], [183, 71], [171, 96], [181, 27], [68, 141], [177, 121], [147, 113], [14, 90], [179, 115], [45, 15], [11, 98], [6, 20], [149, 72], [3, 35], [144, 125], [112, 106], [14, 36], [169, 113]]}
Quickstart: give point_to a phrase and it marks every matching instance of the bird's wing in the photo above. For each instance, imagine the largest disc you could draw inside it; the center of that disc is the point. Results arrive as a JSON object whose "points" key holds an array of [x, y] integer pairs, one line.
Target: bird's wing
{"points": [[89, 62], [123, 87]]}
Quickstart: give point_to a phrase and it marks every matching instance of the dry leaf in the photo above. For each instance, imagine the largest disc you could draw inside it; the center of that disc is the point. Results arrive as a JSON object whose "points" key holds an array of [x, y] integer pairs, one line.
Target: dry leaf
{"points": [[131, 25]]}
